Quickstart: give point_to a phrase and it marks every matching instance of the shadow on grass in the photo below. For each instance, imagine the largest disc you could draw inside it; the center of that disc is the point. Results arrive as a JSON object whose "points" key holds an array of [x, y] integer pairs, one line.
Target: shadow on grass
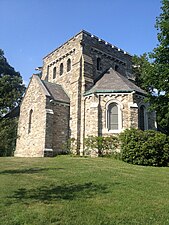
{"points": [[48, 194], [28, 171]]}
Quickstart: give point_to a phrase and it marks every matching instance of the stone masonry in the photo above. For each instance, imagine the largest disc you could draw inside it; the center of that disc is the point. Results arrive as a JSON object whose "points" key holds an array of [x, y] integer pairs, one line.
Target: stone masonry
{"points": [[82, 80]]}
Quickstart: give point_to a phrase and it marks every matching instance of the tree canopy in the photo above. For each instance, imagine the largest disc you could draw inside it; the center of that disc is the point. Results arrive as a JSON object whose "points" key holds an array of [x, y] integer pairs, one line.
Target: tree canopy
{"points": [[11, 92], [152, 70], [11, 86]]}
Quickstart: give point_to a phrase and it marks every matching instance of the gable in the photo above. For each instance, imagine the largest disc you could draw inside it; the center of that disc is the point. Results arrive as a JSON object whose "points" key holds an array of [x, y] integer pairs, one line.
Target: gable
{"points": [[46, 89]]}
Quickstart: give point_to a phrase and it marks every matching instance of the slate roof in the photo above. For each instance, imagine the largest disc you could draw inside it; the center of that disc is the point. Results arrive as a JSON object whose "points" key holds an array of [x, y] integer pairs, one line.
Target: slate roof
{"points": [[14, 113], [113, 82], [56, 91]]}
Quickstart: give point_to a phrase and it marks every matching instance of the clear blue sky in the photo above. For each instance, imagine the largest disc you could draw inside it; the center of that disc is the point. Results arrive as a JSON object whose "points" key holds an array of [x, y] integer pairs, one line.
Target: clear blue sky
{"points": [[30, 29]]}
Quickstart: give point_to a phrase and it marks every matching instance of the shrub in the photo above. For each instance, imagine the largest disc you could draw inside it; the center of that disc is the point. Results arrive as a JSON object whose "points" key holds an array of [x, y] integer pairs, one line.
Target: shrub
{"points": [[100, 145], [150, 148], [70, 146]]}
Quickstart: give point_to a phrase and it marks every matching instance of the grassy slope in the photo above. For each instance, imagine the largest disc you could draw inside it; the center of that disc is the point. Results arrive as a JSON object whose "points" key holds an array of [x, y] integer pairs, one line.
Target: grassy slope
{"points": [[81, 191]]}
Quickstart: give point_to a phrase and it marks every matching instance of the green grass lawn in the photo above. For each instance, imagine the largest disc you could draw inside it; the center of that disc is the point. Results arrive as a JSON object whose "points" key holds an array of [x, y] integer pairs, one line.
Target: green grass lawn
{"points": [[81, 191]]}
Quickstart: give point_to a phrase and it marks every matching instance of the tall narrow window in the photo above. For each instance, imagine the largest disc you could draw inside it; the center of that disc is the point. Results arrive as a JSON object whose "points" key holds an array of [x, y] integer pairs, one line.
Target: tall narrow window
{"points": [[98, 64], [47, 74], [68, 65], [142, 117], [30, 121], [54, 72], [61, 69], [113, 117], [116, 68]]}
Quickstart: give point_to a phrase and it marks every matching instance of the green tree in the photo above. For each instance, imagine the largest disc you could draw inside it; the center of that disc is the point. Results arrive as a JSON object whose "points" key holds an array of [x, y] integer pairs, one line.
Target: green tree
{"points": [[11, 86], [154, 70], [142, 69], [11, 92], [8, 135]]}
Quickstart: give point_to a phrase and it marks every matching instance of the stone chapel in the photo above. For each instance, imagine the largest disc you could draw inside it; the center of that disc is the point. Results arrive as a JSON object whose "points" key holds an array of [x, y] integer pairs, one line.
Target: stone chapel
{"points": [[86, 88]]}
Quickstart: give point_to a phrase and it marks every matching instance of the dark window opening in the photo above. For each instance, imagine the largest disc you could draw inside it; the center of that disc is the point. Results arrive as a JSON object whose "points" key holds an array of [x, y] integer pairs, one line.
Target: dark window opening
{"points": [[61, 69], [142, 118], [54, 72], [30, 121], [68, 65], [116, 68], [98, 64], [47, 74]]}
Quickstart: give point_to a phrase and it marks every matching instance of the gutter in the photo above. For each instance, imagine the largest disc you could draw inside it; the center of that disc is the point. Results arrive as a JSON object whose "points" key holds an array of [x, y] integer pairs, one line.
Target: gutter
{"points": [[112, 91]]}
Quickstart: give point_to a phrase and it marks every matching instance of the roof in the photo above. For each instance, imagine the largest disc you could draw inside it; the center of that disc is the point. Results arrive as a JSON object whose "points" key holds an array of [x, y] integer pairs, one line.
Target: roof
{"points": [[56, 92], [13, 113], [113, 82]]}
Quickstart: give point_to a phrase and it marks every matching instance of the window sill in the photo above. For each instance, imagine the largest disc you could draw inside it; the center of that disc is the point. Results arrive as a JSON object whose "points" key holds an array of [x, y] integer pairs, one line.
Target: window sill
{"points": [[112, 131]]}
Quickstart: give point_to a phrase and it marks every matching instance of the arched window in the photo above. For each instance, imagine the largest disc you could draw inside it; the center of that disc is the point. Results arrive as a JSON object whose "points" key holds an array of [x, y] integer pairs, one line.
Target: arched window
{"points": [[114, 112], [54, 72], [98, 64], [68, 65], [113, 117], [30, 121], [61, 69], [142, 118]]}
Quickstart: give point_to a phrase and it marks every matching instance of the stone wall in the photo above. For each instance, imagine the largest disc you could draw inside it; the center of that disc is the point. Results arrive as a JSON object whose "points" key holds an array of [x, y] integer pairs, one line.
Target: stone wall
{"points": [[60, 127], [52, 123], [70, 81], [48, 149], [96, 112], [48, 131], [83, 50], [109, 55], [31, 143], [88, 115], [93, 115]]}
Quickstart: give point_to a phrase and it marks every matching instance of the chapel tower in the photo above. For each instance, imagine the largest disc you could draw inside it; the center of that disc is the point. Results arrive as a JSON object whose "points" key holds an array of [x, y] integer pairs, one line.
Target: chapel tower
{"points": [[87, 88]]}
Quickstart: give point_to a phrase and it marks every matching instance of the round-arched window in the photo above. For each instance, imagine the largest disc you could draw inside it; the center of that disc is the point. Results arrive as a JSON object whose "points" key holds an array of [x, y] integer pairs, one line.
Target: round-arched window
{"points": [[113, 117]]}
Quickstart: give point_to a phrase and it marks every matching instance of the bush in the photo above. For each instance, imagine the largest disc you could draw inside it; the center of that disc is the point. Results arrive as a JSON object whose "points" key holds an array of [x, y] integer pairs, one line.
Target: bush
{"points": [[149, 148], [101, 146], [70, 146]]}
